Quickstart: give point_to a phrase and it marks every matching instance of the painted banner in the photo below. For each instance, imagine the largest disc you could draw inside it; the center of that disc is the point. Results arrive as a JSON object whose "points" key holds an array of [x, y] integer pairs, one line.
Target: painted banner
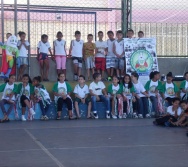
{"points": [[141, 57]]}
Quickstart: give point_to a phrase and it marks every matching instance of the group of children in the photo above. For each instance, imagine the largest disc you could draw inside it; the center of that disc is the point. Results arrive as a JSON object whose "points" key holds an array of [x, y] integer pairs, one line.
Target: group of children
{"points": [[99, 56], [121, 99]]}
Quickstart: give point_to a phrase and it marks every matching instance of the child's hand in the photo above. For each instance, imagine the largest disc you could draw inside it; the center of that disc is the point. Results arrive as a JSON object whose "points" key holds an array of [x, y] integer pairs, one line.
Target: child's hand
{"points": [[138, 97], [124, 98]]}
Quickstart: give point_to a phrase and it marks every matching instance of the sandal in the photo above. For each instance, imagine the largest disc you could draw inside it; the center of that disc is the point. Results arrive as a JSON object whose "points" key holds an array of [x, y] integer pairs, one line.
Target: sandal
{"points": [[58, 118]]}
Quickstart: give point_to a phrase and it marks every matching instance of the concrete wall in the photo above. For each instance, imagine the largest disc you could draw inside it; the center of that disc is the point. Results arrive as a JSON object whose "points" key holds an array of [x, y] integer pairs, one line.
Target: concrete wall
{"points": [[176, 65]]}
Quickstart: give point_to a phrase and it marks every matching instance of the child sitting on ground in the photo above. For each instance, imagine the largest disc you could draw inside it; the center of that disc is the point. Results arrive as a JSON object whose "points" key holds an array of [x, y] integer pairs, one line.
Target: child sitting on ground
{"points": [[173, 112], [81, 92]]}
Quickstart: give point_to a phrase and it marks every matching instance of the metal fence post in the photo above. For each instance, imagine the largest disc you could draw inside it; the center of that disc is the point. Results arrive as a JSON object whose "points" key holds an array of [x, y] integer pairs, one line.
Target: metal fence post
{"points": [[2, 19], [28, 27]]}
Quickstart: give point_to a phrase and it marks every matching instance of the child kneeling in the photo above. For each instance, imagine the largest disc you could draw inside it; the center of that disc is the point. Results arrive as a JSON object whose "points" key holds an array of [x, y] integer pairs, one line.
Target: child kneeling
{"points": [[81, 92]]}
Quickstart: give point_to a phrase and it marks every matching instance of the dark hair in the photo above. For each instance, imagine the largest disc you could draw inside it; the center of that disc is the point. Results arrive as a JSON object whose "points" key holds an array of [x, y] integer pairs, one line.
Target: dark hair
{"points": [[115, 76], [169, 75], [140, 32], [8, 33], [38, 78], [130, 84], [185, 74], [184, 101], [119, 32], [20, 33], [130, 30], [90, 35], [60, 75], [7, 80], [100, 32], [175, 99], [77, 33], [153, 73], [135, 74], [44, 36], [59, 33], [81, 76], [26, 75], [95, 75], [110, 32]]}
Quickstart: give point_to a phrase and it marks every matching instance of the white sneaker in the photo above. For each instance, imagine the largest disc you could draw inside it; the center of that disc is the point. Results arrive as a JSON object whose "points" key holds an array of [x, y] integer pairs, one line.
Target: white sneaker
{"points": [[46, 118], [140, 116], [135, 115], [107, 115], [124, 115], [42, 118], [32, 112], [23, 118], [114, 116], [120, 116], [148, 116], [95, 115]]}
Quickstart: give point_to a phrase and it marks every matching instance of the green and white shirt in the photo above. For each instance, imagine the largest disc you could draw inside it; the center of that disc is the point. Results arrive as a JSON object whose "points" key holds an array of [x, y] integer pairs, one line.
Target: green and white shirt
{"points": [[7, 90]]}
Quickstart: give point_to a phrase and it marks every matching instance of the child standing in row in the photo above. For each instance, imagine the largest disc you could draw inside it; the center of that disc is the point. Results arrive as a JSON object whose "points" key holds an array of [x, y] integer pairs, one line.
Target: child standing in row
{"points": [[141, 97], [89, 52], [98, 93], [60, 53], [115, 90], [110, 57], [76, 51], [81, 92], [43, 48], [118, 49], [169, 90], [62, 91], [101, 49], [26, 92], [41, 96], [9, 90], [23, 46]]}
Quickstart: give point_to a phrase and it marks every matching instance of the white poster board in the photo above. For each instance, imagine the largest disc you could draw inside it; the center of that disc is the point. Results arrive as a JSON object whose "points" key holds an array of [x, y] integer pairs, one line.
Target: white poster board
{"points": [[141, 57]]}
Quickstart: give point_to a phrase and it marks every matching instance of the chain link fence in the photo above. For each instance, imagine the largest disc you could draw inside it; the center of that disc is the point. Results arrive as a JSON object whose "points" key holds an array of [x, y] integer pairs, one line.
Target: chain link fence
{"points": [[164, 19]]}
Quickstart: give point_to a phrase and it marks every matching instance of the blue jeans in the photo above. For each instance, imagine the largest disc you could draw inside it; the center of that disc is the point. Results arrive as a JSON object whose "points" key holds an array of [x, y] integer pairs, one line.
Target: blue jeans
{"points": [[142, 105], [104, 99], [43, 108], [154, 103]]}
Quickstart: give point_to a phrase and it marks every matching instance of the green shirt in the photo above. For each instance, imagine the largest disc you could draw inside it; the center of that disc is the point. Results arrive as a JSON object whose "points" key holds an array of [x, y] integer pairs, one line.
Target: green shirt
{"points": [[110, 89], [31, 91], [68, 87], [2, 88], [147, 85], [162, 89]]}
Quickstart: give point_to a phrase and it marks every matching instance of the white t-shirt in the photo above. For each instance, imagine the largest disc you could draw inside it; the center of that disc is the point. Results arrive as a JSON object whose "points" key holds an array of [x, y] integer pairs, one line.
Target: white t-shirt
{"points": [[186, 88], [139, 89], [7, 91], [60, 47], [97, 87], [43, 47], [23, 51], [77, 48], [101, 46], [152, 88], [171, 112], [81, 91], [110, 48], [115, 88], [26, 91], [169, 90], [119, 45], [62, 88], [127, 92]]}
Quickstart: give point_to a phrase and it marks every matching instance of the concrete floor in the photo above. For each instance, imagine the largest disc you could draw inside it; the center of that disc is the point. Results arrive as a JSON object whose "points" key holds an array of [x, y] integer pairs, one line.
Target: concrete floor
{"points": [[92, 143]]}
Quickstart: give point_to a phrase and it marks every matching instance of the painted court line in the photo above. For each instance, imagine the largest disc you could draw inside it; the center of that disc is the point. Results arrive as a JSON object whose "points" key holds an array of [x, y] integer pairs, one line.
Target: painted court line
{"points": [[101, 147], [44, 149]]}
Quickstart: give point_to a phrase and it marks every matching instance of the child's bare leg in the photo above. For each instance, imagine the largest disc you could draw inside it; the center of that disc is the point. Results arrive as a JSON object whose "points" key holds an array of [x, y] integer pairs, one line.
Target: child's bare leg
{"points": [[77, 109], [23, 110], [93, 70], [79, 71], [70, 113], [109, 72], [64, 72], [113, 105], [58, 71], [117, 72], [102, 75], [27, 103], [59, 113], [89, 110], [76, 69], [41, 69], [112, 72], [46, 63], [88, 73]]}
